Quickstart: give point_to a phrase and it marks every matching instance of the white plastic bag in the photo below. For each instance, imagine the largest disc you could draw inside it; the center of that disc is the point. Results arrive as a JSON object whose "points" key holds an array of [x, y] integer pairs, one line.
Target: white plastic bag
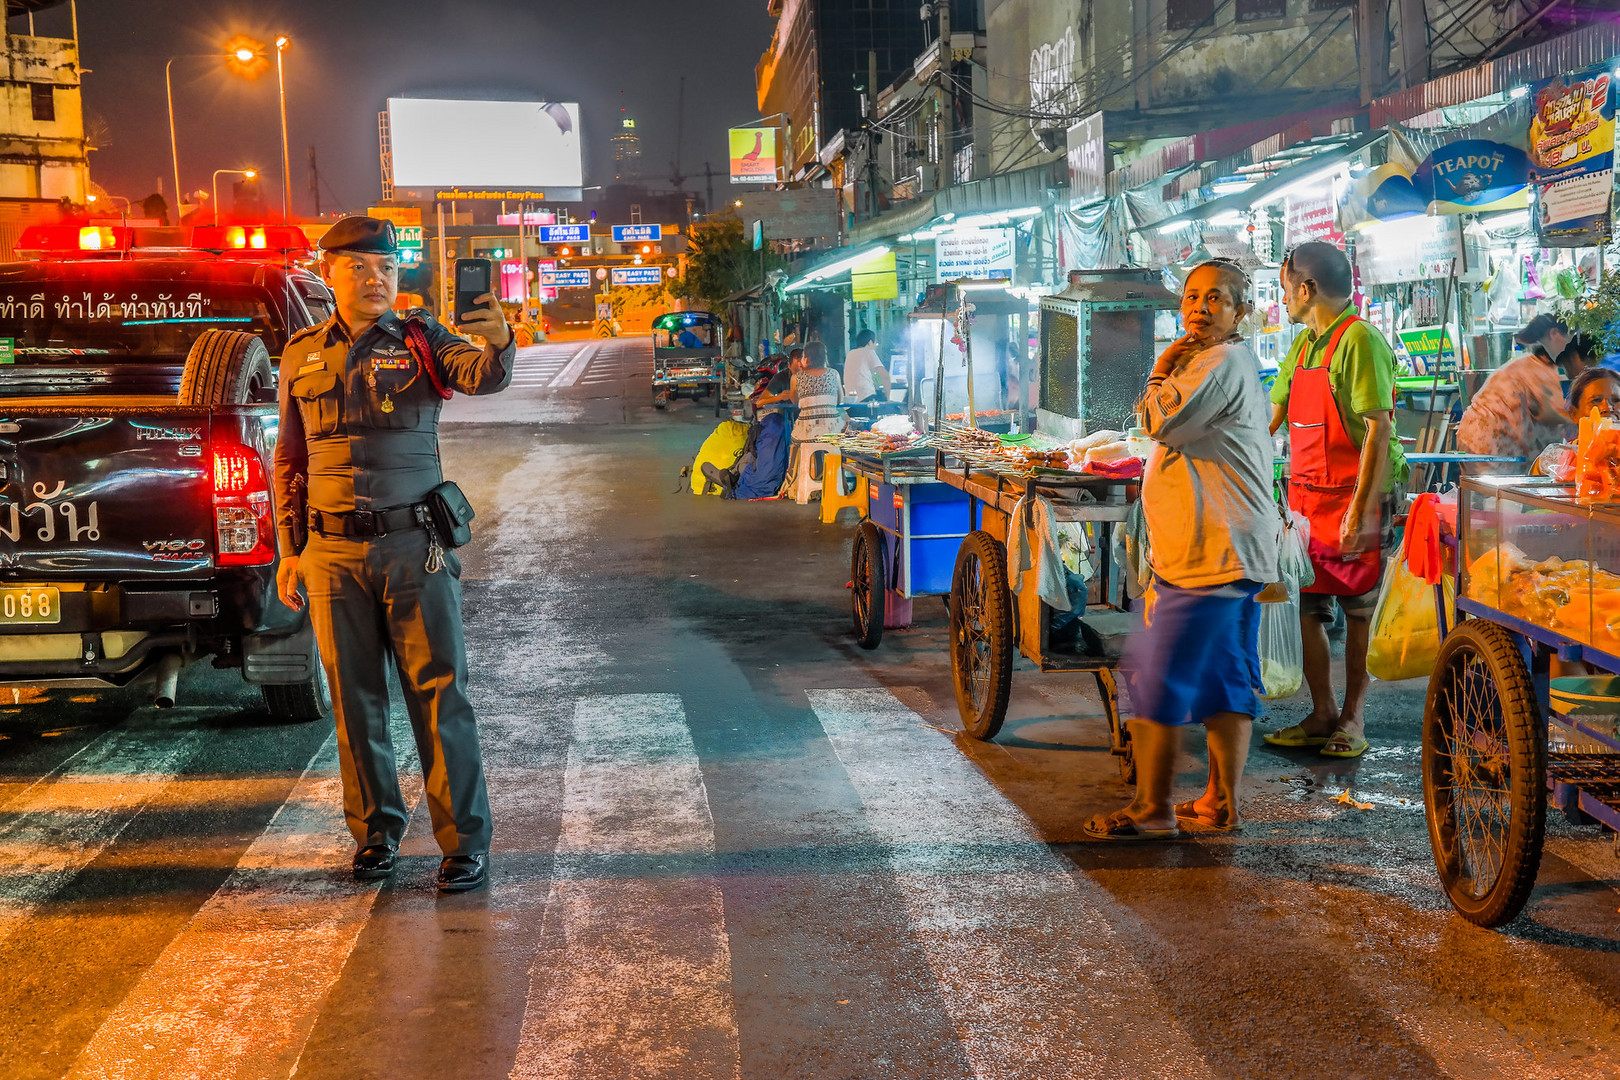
{"points": [[1282, 649]]}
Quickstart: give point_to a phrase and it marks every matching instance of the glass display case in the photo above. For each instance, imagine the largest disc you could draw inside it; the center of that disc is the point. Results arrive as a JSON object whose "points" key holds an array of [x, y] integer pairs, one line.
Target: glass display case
{"points": [[1529, 549]]}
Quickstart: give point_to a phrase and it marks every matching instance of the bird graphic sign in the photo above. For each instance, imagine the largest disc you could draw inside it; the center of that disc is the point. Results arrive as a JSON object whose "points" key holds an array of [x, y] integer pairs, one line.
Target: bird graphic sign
{"points": [[753, 155]]}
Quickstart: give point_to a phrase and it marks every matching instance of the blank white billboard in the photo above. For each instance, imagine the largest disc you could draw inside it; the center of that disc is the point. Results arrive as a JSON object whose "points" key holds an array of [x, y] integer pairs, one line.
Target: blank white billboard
{"points": [[516, 144]]}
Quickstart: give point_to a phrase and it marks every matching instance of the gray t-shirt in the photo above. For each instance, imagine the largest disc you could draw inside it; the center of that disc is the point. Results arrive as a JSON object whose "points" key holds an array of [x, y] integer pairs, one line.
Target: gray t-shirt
{"points": [[1207, 490]]}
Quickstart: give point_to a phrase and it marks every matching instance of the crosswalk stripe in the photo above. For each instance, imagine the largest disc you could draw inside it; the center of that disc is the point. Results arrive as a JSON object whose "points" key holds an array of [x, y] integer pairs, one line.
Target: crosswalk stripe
{"points": [[576, 366], [236, 992], [1010, 931], [59, 825], [641, 982]]}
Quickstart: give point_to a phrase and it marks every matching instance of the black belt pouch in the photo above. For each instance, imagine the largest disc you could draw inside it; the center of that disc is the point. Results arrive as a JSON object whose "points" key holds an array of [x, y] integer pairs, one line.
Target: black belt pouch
{"points": [[452, 514]]}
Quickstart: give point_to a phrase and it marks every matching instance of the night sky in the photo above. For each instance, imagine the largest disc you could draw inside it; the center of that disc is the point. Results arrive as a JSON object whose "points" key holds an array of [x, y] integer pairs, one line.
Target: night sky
{"points": [[348, 56]]}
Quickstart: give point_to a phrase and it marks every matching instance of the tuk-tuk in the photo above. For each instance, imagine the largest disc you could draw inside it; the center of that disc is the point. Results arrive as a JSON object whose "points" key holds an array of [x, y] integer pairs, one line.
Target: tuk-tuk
{"points": [[687, 358]]}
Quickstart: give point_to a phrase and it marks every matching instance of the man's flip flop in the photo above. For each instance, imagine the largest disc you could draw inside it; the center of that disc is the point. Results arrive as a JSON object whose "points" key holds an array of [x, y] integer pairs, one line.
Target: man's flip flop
{"points": [[1117, 826], [1342, 745], [1294, 738], [1188, 811]]}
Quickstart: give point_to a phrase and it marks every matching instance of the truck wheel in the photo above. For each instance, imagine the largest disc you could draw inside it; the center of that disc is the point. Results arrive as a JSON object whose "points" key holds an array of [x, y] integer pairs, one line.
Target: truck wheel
{"points": [[300, 703], [227, 367]]}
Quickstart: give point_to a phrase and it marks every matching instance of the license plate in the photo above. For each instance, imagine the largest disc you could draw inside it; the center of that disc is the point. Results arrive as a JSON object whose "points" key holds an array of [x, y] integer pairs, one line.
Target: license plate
{"points": [[30, 605]]}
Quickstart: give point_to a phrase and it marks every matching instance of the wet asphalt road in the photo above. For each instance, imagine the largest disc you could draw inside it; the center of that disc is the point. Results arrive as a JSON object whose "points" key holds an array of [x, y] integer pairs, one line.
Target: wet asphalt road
{"points": [[729, 843]]}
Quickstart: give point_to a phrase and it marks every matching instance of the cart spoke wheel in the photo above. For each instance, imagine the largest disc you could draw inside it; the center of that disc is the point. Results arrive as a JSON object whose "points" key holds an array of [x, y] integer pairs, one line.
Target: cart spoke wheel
{"points": [[868, 585], [1484, 773], [981, 635]]}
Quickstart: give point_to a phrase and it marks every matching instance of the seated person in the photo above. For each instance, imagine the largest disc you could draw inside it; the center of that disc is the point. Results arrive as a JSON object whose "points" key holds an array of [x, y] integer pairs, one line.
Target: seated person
{"points": [[687, 339], [778, 392], [1519, 410]]}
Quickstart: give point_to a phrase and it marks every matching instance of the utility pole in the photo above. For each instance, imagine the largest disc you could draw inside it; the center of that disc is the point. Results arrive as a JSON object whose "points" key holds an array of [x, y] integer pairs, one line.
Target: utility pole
{"points": [[314, 182], [1372, 46], [1414, 43], [947, 116]]}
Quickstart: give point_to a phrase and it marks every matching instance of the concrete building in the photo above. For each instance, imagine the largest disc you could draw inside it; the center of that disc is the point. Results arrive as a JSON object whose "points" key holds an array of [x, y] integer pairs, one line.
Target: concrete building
{"points": [[826, 58], [42, 143]]}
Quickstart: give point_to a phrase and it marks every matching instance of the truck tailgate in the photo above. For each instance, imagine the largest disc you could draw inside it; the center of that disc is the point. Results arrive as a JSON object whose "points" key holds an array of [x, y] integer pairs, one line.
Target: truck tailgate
{"points": [[119, 495]]}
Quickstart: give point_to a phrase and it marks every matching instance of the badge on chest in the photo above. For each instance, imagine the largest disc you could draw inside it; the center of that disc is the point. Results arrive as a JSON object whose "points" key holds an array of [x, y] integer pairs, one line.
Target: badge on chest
{"points": [[390, 371]]}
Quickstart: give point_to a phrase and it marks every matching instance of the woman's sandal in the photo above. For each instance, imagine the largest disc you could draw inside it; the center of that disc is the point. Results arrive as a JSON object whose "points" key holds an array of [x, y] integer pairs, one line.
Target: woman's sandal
{"points": [[1344, 745], [1294, 738], [1119, 826], [1221, 822]]}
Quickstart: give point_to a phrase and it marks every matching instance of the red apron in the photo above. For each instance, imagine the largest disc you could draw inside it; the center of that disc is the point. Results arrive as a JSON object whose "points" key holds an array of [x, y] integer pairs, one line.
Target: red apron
{"points": [[1323, 466]]}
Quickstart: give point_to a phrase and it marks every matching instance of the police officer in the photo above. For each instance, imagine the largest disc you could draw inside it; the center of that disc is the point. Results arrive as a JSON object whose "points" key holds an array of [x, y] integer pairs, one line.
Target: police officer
{"points": [[357, 456]]}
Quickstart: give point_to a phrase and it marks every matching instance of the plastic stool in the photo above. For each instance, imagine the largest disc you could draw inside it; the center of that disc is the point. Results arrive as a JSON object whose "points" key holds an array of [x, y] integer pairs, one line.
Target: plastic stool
{"points": [[833, 498]]}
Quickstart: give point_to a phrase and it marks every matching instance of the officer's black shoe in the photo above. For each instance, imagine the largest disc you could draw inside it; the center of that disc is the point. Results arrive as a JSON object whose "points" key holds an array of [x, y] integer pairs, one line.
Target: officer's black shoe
{"points": [[374, 862], [463, 873]]}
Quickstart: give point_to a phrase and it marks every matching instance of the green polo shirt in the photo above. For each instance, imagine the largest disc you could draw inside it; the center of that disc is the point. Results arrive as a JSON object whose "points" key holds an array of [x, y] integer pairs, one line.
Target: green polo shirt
{"points": [[1362, 378]]}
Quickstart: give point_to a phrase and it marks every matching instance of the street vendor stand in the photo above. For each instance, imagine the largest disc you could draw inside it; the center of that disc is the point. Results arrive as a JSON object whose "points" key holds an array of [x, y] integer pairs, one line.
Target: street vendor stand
{"points": [[906, 546], [989, 620], [1537, 582]]}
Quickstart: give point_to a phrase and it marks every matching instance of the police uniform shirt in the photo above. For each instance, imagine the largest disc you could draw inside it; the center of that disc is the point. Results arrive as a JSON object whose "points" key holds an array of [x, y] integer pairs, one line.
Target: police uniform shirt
{"points": [[360, 420]]}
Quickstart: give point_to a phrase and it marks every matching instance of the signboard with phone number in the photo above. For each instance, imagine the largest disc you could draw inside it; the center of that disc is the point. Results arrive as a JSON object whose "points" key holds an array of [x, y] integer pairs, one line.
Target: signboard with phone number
{"points": [[566, 279], [638, 275]]}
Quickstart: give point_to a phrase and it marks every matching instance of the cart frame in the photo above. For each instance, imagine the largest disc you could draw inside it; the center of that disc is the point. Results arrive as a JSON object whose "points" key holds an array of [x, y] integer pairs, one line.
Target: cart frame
{"points": [[1529, 749], [989, 620]]}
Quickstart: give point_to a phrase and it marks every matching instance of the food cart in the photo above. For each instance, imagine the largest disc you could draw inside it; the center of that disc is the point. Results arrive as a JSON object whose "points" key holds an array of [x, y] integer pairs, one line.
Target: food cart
{"points": [[988, 620], [1504, 733], [906, 546], [687, 358]]}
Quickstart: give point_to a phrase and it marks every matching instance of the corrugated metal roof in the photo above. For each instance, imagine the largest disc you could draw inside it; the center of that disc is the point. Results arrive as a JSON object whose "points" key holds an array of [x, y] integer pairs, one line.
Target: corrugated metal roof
{"points": [[1589, 45]]}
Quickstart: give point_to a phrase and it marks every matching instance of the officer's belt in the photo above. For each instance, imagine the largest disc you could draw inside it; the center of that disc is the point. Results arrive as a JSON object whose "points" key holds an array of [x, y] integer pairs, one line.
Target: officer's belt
{"points": [[369, 522]]}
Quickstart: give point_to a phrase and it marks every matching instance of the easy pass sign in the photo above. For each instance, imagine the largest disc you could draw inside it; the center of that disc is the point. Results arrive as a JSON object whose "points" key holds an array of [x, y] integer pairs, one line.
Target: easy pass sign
{"points": [[633, 234], [638, 275], [565, 234]]}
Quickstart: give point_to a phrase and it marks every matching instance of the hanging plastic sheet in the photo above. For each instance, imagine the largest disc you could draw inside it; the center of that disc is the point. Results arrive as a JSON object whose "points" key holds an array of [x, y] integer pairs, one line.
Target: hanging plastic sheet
{"points": [[1094, 236]]}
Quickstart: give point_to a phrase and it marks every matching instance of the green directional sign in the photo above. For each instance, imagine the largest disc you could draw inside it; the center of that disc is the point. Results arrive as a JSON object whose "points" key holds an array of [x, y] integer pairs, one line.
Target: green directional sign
{"points": [[410, 236]]}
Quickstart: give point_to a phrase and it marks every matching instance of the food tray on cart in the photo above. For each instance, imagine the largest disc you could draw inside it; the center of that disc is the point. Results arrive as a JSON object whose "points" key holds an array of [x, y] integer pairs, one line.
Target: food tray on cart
{"points": [[1075, 496]]}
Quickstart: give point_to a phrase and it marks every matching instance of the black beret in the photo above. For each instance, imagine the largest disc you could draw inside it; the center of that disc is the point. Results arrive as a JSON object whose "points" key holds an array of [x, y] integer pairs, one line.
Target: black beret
{"points": [[361, 234]]}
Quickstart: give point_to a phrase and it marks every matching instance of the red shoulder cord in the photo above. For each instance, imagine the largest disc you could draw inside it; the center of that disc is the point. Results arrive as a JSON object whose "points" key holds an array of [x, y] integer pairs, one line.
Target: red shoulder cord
{"points": [[416, 340]]}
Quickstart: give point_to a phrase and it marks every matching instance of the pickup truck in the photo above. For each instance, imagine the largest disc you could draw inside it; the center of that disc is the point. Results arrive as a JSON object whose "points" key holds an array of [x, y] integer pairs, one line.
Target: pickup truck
{"points": [[137, 419]]}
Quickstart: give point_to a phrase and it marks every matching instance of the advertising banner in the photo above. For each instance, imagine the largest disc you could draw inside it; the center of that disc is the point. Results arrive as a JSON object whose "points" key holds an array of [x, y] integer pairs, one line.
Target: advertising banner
{"points": [[565, 234], [1416, 249], [638, 275], [984, 254], [1472, 176], [630, 234], [753, 155], [1572, 157], [1311, 217], [875, 279], [1088, 161]]}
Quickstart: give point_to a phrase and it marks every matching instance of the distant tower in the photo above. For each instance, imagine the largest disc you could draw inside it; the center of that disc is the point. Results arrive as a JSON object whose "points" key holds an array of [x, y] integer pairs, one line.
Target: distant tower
{"points": [[626, 150]]}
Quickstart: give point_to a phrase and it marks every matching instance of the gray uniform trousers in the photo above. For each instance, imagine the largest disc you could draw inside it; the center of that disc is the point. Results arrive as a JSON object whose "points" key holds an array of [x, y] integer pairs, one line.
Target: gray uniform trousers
{"points": [[371, 597]]}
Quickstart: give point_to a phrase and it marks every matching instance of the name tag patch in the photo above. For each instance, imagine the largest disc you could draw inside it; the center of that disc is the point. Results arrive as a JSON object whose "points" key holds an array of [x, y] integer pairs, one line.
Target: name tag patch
{"points": [[314, 365]]}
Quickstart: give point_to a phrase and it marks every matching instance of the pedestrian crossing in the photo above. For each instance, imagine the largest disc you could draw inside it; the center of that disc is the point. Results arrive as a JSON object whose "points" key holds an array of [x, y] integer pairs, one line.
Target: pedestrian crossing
{"points": [[1040, 971], [566, 365]]}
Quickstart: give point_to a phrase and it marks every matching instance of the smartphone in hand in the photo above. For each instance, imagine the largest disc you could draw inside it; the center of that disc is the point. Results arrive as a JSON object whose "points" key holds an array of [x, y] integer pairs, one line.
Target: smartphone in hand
{"points": [[474, 278]]}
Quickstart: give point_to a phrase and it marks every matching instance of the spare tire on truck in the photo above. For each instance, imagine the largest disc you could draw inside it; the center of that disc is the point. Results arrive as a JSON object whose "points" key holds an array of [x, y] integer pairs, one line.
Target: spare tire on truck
{"points": [[227, 367], [230, 367]]}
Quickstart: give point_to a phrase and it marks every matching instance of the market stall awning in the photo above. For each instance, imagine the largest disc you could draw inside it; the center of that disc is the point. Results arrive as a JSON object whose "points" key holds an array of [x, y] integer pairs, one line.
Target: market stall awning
{"points": [[1299, 173]]}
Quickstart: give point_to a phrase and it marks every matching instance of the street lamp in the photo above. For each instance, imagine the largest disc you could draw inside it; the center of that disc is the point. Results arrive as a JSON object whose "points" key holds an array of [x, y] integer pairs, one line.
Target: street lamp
{"points": [[174, 142], [286, 167], [249, 173]]}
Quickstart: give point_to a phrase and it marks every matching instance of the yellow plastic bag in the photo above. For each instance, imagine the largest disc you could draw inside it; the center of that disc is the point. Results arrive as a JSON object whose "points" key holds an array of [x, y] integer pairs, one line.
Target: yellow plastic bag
{"points": [[1405, 634]]}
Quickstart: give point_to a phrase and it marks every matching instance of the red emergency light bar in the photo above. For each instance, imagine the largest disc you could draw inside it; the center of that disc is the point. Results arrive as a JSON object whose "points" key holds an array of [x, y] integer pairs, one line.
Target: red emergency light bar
{"points": [[77, 240], [249, 239]]}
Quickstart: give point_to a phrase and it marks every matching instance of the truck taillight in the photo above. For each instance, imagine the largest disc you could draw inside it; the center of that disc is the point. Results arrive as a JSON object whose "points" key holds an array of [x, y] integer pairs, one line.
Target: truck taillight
{"points": [[244, 528]]}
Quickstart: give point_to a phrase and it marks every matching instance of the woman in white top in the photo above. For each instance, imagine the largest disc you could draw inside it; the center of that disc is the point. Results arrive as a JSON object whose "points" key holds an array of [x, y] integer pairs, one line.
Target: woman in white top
{"points": [[816, 391]]}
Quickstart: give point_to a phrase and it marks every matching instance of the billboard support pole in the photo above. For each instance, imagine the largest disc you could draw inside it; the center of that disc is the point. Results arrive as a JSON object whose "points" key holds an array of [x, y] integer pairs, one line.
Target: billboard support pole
{"points": [[444, 278]]}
